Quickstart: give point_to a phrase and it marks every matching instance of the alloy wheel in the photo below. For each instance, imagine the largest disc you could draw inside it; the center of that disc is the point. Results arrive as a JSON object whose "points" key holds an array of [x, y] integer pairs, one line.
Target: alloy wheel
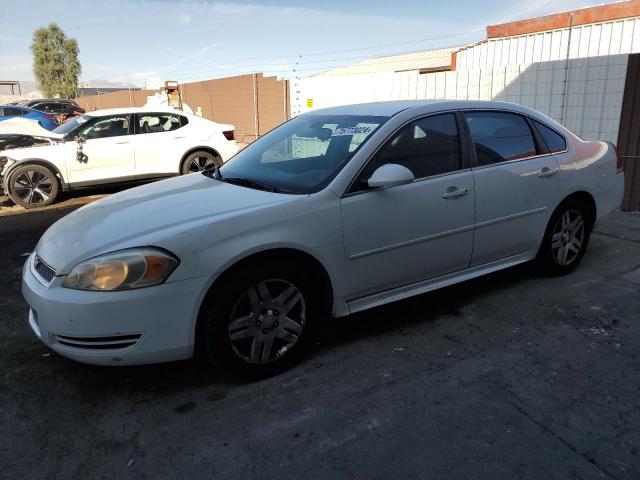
{"points": [[201, 163], [568, 237], [267, 321], [33, 187]]}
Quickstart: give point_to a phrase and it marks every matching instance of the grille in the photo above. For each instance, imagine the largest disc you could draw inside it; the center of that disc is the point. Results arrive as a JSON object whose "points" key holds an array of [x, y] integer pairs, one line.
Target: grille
{"points": [[112, 342], [45, 271]]}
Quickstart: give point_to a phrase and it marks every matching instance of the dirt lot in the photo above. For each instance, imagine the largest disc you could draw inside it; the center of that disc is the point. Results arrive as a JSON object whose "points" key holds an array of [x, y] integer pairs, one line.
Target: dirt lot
{"points": [[507, 376]]}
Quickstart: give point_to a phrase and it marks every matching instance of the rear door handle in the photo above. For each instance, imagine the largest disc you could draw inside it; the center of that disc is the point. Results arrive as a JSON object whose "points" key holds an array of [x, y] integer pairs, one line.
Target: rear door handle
{"points": [[122, 143], [455, 192], [547, 172], [177, 138]]}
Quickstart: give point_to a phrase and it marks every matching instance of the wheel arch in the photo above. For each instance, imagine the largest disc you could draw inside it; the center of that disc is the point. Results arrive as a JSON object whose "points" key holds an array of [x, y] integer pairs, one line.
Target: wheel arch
{"points": [[201, 148], [587, 199], [35, 161], [290, 254]]}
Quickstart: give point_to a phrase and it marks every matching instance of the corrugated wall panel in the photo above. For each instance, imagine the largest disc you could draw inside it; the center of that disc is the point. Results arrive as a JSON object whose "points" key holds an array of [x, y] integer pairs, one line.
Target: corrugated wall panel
{"points": [[613, 37]]}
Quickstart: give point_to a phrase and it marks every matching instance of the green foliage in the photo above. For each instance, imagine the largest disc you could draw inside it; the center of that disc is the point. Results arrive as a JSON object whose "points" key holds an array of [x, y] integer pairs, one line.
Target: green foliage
{"points": [[55, 62]]}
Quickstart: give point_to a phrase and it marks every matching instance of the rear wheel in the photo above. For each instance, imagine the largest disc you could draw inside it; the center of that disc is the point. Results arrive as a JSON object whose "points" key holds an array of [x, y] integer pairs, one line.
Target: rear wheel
{"points": [[200, 161], [566, 238], [32, 186], [261, 320]]}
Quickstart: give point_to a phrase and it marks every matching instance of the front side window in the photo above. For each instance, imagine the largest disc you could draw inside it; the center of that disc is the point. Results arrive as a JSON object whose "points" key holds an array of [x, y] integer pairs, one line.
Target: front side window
{"points": [[302, 155], [555, 142], [428, 147], [158, 122], [115, 126], [500, 137], [13, 112]]}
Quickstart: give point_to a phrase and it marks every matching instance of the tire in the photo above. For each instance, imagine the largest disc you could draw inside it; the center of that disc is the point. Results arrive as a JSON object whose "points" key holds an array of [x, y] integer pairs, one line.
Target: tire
{"points": [[566, 238], [33, 186], [200, 161], [253, 333]]}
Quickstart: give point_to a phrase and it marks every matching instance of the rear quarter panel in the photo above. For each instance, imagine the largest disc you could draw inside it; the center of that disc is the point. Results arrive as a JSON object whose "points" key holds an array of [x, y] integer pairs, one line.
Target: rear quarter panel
{"points": [[590, 166]]}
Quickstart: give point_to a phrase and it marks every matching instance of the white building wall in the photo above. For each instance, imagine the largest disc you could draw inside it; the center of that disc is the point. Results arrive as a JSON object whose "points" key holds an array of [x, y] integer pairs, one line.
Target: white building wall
{"points": [[597, 39], [584, 94]]}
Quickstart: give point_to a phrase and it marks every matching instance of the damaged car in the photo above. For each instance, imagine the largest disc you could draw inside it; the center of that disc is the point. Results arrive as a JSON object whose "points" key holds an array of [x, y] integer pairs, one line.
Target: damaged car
{"points": [[113, 146]]}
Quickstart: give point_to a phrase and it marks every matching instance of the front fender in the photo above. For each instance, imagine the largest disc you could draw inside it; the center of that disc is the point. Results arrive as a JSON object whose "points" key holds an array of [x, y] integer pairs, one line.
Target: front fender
{"points": [[4, 177]]}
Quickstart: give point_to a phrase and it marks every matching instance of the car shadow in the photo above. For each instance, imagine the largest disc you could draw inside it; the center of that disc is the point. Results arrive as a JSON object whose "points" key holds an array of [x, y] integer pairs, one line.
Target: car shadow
{"points": [[175, 377], [424, 308]]}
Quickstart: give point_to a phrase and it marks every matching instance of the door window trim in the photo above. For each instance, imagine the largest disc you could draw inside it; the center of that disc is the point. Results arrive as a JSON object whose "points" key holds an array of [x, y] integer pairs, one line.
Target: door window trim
{"points": [[99, 119], [537, 137], [465, 154], [137, 115]]}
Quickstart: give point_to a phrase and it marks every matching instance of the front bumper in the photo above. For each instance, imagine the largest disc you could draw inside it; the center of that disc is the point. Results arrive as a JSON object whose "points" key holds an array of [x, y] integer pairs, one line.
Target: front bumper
{"points": [[146, 325]]}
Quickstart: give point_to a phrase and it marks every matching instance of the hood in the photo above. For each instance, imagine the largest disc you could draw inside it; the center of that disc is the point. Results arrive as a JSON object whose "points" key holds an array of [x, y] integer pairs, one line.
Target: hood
{"points": [[27, 126], [17, 140], [162, 208]]}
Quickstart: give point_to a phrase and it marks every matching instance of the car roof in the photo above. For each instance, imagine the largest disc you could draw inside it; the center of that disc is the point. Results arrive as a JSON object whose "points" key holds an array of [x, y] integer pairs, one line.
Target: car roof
{"points": [[116, 111], [388, 109], [29, 109]]}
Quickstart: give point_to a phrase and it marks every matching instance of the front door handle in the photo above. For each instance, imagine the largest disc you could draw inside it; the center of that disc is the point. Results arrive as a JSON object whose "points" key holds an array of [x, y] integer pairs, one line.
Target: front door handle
{"points": [[178, 138], [122, 143], [547, 172], [455, 192]]}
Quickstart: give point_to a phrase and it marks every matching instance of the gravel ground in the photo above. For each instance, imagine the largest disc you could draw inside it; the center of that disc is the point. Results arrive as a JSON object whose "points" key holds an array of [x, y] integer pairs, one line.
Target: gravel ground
{"points": [[507, 376]]}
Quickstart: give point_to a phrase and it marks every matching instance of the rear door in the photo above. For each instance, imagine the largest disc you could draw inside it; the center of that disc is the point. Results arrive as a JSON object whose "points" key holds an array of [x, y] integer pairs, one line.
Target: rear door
{"points": [[516, 177], [107, 154], [159, 142]]}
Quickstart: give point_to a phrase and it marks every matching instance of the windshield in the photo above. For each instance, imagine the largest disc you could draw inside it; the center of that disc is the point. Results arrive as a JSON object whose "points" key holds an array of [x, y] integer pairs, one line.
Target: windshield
{"points": [[70, 125], [302, 155]]}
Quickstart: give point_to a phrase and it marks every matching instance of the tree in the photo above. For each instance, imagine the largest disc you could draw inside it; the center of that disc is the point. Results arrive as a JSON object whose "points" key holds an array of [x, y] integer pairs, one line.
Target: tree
{"points": [[55, 62]]}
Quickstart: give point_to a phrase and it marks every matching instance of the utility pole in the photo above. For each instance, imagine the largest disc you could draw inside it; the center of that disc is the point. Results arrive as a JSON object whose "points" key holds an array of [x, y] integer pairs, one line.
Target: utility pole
{"points": [[566, 72], [284, 90], [255, 99]]}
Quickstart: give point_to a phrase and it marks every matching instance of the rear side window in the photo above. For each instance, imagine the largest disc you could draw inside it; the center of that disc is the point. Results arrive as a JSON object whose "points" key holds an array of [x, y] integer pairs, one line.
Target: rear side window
{"points": [[158, 122], [555, 142], [500, 137], [429, 146]]}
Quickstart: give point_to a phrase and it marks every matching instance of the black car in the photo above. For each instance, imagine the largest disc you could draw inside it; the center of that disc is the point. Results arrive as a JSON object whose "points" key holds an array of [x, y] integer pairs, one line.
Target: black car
{"points": [[56, 106]]}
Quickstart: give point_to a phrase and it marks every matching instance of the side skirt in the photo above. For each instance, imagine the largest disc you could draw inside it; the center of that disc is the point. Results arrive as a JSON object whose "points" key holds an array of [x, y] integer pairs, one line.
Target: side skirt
{"points": [[399, 293]]}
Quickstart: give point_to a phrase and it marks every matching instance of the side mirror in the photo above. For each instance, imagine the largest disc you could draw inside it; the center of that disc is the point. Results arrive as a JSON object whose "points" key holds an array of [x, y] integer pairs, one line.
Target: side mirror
{"points": [[390, 175], [81, 139]]}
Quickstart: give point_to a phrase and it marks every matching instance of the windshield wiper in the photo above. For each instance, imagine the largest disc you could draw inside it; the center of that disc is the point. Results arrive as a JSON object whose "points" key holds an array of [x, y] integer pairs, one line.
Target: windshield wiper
{"points": [[247, 182]]}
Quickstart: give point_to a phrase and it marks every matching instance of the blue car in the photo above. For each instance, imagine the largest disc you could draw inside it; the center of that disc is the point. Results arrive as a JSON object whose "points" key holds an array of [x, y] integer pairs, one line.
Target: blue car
{"points": [[46, 120]]}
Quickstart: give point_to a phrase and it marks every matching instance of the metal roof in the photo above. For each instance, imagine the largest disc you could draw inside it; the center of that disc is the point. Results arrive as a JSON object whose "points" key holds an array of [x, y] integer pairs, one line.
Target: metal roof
{"points": [[428, 59]]}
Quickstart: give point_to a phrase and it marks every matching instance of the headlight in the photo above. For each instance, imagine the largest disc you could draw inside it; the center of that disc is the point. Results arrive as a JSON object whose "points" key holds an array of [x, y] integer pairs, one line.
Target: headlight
{"points": [[123, 270]]}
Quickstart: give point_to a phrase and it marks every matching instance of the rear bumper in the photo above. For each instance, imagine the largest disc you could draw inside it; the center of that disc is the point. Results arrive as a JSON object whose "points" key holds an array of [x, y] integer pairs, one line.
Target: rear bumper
{"points": [[147, 325]]}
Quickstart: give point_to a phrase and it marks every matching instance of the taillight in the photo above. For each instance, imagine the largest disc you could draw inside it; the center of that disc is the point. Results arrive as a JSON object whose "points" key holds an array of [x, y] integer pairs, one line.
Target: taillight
{"points": [[619, 165], [229, 134]]}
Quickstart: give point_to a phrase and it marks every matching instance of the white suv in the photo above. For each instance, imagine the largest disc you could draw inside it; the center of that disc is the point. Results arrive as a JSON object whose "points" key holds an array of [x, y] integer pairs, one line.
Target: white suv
{"points": [[114, 146]]}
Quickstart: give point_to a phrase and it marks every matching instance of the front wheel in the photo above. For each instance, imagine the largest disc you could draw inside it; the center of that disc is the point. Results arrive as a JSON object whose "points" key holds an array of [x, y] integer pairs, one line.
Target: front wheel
{"points": [[261, 320], [200, 161], [566, 238], [32, 186]]}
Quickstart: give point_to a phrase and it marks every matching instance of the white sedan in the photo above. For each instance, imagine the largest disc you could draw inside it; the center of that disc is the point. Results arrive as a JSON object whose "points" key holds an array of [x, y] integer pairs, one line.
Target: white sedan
{"points": [[114, 146], [334, 212]]}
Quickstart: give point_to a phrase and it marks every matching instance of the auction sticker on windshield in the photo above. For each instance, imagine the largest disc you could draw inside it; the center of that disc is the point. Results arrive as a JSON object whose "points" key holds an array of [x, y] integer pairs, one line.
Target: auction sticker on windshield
{"points": [[344, 131]]}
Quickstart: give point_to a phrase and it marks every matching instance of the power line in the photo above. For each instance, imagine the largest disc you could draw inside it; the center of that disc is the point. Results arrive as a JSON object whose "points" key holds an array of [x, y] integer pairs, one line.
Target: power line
{"points": [[247, 62]]}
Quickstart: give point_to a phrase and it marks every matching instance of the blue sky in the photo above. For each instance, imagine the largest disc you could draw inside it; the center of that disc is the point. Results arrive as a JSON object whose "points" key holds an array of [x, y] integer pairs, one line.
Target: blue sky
{"points": [[127, 41]]}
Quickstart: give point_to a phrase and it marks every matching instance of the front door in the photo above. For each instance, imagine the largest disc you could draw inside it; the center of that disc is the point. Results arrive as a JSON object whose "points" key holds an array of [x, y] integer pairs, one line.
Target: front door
{"points": [[106, 155], [400, 235]]}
